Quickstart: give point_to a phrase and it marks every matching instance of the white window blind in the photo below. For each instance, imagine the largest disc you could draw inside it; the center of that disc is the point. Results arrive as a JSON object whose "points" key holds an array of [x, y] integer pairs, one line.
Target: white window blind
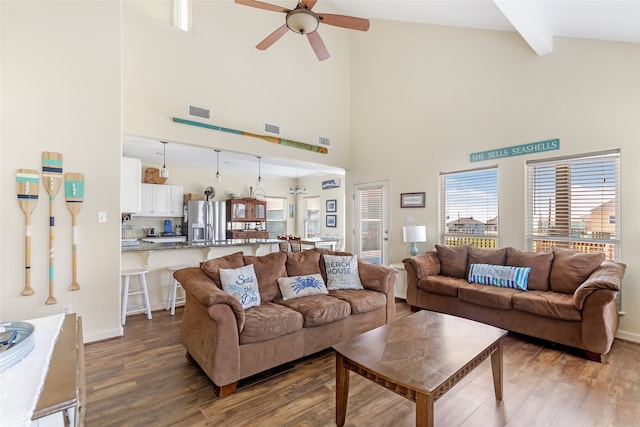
{"points": [[469, 207], [276, 220], [369, 224], [574, 202], [312, 216]]}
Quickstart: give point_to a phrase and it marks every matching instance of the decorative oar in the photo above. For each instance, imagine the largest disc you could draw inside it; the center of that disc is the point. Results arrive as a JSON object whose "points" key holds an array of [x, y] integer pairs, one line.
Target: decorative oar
{"points": [[28, 184], [74, 192], [52, 179]]}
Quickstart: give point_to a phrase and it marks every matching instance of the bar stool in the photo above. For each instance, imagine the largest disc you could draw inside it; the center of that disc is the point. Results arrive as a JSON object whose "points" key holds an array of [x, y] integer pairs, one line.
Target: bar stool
{"points": [[142, 290], [173, 286]]}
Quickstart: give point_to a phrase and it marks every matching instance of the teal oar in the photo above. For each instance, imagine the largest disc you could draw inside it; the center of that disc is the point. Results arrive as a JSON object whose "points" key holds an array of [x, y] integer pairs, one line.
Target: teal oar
{"points": [[74, 193]]}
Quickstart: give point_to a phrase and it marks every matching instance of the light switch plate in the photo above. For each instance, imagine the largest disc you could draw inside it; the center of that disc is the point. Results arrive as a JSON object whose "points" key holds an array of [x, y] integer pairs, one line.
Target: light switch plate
{"points": [[102, 217]]}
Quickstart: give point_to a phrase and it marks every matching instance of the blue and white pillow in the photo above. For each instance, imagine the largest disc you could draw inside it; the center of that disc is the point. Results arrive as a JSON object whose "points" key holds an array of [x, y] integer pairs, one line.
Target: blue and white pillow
{"points": [[342, 272], [242, 284], [301, 286], [499, 275]]}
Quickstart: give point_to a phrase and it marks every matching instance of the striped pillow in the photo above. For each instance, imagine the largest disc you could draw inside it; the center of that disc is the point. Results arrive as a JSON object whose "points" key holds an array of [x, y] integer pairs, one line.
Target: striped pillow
{"points": [[499, 275]]}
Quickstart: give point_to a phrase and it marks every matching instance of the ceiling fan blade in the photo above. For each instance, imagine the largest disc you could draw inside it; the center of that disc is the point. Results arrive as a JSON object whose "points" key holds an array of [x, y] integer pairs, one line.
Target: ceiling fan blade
{"points": [[308, 3], [273, 37], [262, 5], [318, 45], [344, 21]]}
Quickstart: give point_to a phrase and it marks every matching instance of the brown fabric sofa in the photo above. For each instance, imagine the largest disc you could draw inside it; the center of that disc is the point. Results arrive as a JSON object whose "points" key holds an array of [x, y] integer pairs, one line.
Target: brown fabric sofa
{"points": [[570, 297], [231, 343]]}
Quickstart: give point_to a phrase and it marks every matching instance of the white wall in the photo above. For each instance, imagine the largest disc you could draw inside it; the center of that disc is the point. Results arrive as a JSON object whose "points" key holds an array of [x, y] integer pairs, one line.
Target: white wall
{"points": [[441, 93], [61, 91]]}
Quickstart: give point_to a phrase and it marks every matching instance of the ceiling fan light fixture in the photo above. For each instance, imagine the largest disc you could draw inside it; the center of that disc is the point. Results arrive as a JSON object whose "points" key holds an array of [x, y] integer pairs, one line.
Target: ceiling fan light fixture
{"points": [[302, 21], [164, 171]]}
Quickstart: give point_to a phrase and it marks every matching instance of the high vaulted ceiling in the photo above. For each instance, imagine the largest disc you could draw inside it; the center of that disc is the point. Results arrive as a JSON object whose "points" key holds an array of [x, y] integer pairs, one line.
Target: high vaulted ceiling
{"points": [[536, 21]]}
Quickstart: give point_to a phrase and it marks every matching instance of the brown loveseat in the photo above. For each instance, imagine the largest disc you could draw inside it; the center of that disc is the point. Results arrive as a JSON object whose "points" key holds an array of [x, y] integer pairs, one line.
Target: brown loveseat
{"points": [[231, 343], [570, 297]]}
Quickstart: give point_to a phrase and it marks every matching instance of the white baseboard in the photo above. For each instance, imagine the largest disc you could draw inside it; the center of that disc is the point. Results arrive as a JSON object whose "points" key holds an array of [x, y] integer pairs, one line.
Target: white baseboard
{"points": [[628, 336], [103, 335]]}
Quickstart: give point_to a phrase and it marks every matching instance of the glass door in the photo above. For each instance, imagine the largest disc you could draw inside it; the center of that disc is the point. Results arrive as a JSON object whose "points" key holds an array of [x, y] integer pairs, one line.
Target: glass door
{"points": [[371, 222]]}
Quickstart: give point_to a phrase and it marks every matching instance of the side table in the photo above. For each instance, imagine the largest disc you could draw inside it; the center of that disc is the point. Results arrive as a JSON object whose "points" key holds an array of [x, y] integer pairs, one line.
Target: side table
{"points": [[401, 283]]}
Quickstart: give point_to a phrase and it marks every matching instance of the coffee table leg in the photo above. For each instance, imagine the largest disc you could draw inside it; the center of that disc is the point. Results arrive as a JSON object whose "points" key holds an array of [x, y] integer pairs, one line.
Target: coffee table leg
{"points": [[424, 410], [496, 368], [342, 390]]}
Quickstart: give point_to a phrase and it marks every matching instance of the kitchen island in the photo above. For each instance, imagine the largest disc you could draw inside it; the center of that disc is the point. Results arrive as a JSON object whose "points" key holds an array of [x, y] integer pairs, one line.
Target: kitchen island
{"points": [[156, 257]]}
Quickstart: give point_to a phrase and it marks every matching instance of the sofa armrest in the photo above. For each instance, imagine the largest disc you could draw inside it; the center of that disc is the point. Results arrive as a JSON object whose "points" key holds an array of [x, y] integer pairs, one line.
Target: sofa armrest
{"points": [[382, 279], [426, 264], [607, 276], [196, 283]]}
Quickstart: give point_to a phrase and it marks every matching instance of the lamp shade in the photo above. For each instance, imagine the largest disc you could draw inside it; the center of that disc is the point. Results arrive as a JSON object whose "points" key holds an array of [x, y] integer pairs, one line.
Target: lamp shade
{"points": [[414, 233]]}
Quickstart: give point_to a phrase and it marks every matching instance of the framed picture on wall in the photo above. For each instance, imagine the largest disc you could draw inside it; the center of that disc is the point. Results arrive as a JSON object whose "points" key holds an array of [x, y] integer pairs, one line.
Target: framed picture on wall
{"points": [[332, 206], [412, 200], [331, 220]]}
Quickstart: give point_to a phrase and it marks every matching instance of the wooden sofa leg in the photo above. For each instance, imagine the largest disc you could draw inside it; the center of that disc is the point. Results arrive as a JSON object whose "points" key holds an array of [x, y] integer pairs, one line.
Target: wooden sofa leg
{"points": [[227, 390], [596, 357]]}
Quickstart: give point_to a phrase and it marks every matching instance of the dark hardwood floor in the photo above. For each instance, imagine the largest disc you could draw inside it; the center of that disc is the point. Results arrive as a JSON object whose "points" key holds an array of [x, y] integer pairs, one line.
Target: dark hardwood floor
{"points": [[145, 379]]}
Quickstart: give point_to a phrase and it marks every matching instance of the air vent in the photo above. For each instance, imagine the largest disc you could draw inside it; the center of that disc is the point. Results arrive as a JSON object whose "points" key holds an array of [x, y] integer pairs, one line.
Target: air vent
{"points": [[201, 112], [271, 128], [323, 140]]}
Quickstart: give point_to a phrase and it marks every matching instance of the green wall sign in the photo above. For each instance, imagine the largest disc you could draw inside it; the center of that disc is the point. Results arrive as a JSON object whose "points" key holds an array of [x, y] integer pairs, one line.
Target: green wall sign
{"points": [[516, 150]]}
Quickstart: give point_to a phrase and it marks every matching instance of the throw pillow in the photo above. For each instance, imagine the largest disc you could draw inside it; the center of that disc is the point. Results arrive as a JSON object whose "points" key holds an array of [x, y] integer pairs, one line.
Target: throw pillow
{"points": [[499, 275], [241, 283], [453, 260], [268, 268], [342, 272], [212, 267], [301, 286]]}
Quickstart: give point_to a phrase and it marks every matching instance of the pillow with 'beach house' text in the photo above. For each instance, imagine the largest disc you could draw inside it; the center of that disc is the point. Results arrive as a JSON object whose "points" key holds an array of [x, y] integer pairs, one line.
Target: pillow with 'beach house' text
{"points": [[342, 272]]}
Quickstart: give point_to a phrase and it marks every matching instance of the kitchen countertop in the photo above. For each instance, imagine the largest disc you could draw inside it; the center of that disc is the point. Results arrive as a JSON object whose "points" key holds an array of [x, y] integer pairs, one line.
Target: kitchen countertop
{"points": [[145, 246]]}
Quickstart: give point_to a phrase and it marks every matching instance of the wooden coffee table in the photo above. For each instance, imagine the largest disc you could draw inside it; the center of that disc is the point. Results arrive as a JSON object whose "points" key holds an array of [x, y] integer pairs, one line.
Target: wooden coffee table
{"points": [[419, 357]]}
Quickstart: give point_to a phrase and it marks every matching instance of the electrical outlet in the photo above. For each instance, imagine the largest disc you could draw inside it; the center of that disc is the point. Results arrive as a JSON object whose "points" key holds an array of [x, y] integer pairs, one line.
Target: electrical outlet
{"points": [[67, 309]]}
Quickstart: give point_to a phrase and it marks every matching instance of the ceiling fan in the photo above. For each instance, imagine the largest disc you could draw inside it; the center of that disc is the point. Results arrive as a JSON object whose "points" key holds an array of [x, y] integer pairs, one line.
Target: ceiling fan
{"points": [[302, 20]]}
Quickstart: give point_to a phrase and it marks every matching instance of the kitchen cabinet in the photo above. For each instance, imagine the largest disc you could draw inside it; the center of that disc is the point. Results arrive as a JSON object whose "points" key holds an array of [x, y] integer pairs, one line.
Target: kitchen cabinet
{"points": [[246, 210], [130, 185], [161, 200], [246, 219]]}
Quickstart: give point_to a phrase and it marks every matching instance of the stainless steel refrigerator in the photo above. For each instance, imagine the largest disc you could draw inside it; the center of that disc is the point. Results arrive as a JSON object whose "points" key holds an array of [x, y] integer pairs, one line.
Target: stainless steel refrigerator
{"points": [[204, 221]]}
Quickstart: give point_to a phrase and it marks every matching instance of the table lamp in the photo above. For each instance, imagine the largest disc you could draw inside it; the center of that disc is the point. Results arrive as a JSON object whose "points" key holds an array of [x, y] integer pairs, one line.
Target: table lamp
{"points": [[412, 234]]}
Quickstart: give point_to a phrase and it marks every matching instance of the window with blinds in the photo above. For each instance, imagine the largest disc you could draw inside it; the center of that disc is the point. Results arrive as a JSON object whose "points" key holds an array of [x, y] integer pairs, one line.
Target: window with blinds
{"points": [[369, 223], [469, 208], [574, 202], [276, 220], [312, 216]]}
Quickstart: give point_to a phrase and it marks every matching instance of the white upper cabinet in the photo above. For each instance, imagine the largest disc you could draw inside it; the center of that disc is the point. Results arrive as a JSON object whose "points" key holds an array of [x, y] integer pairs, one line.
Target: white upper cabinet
{"points": [[161, 200]]}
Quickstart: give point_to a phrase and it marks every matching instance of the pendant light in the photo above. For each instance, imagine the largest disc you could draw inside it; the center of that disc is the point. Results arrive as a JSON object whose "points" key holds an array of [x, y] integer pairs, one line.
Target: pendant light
{"points": [[218, 176], [164, 172], [260, 181]]}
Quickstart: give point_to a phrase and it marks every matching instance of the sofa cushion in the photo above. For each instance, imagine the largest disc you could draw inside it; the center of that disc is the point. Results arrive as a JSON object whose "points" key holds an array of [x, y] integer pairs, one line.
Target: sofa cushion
{"points": [[212, 267], [487, 256], [301, 286], [242, 284], [342, 272], [318, 310], [503, 276], [487, 296], [548, 304], [268, 321], [443, 285], [570, 269], [539, 262], [303, 263], [361, 301], [453, 260], [268, 268]]}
